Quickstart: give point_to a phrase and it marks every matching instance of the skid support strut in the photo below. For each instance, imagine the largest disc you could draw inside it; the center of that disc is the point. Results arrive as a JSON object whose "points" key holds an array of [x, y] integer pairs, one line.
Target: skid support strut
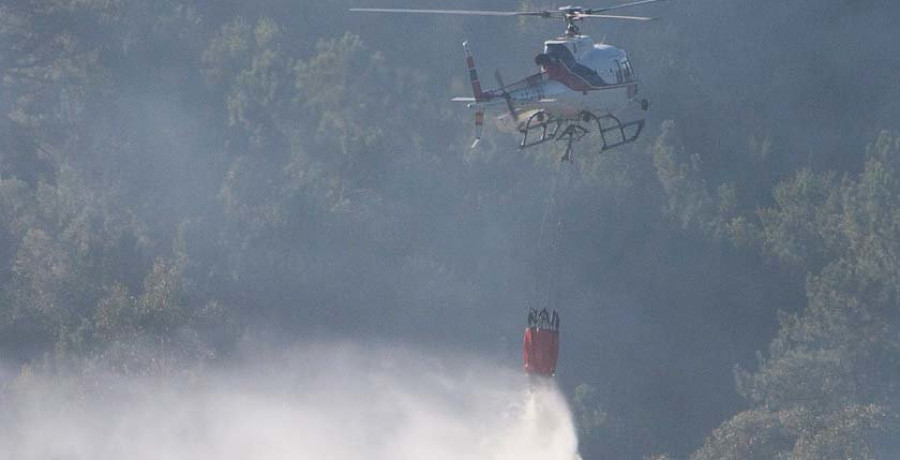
{"points": [[572, 134], [549, 129]]}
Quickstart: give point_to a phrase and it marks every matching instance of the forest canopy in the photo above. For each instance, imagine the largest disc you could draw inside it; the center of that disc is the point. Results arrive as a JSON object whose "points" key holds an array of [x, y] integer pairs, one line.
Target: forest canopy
{"points": [[177, 175]]}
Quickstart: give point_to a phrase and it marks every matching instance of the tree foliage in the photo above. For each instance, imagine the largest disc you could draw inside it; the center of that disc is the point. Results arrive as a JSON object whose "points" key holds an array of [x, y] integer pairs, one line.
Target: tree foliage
{"points": [[825, 389], [174, 174]]}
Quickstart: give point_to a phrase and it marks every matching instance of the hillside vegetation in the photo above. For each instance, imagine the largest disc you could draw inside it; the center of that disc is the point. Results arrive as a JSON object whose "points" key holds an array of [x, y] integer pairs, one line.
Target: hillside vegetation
{"points": [[178, 175]]}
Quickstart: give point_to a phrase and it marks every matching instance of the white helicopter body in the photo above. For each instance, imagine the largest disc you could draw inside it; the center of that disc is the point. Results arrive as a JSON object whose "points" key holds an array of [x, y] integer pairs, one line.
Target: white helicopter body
{"points": [[579, 90], [604, 85]]}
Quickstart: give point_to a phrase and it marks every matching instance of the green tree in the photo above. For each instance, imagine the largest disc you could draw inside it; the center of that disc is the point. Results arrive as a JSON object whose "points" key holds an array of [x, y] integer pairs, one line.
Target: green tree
{"points": [[826, 387]]}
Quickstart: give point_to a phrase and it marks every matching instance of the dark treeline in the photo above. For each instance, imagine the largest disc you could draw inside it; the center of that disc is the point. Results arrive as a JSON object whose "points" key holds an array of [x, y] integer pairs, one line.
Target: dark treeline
{"points": [[176, 175]]}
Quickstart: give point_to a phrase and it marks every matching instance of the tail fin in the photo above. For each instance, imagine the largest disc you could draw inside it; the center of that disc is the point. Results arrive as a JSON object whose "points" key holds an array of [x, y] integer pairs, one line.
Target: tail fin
{"points": [[479, 127], [473, 74], [479, 94]]}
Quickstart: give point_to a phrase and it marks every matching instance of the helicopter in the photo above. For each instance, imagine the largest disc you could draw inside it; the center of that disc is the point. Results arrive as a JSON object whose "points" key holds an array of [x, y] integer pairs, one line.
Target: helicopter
{"points": [[580, 89]]}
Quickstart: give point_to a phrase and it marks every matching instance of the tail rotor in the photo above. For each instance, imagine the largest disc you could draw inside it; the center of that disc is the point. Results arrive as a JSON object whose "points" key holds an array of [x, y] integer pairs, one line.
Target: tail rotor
{"points": [[477, 92]]}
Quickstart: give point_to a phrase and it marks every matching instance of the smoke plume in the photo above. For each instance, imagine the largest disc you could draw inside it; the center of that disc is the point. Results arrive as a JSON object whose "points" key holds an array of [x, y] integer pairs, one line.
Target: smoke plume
{"points": [[322, 402]]}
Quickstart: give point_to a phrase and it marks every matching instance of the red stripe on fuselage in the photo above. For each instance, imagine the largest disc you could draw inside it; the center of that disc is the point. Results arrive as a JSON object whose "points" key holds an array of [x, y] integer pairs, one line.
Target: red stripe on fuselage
{"points": [[560, 72]]}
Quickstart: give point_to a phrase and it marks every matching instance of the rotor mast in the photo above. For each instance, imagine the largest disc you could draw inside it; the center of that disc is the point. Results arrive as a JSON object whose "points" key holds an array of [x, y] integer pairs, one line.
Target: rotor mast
{"points": [[573, 20]]}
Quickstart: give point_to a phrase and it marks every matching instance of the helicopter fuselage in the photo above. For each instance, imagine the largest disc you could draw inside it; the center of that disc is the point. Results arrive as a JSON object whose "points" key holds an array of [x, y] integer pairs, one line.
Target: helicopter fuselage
{"points": [[580, 88], [577, 76]]}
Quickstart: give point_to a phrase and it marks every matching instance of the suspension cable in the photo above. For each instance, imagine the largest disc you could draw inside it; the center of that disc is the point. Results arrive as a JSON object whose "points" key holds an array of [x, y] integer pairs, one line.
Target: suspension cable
{"points": [[550, 205]]}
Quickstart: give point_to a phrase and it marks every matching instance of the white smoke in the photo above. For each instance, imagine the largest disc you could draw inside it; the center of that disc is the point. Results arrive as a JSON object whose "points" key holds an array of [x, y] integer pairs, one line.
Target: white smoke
{"points": [[335, 403]]}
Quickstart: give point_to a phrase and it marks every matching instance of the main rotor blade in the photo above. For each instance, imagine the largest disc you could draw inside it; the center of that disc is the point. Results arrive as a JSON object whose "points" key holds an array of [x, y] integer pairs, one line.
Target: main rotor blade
{"points": [[499, 79], [506, 95], [615, 7], [607, 16], [464, 12]]}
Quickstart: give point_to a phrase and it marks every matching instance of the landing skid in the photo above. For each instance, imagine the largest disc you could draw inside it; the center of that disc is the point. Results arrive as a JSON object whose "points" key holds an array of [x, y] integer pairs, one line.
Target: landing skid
{"points": [[613, 133]]}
